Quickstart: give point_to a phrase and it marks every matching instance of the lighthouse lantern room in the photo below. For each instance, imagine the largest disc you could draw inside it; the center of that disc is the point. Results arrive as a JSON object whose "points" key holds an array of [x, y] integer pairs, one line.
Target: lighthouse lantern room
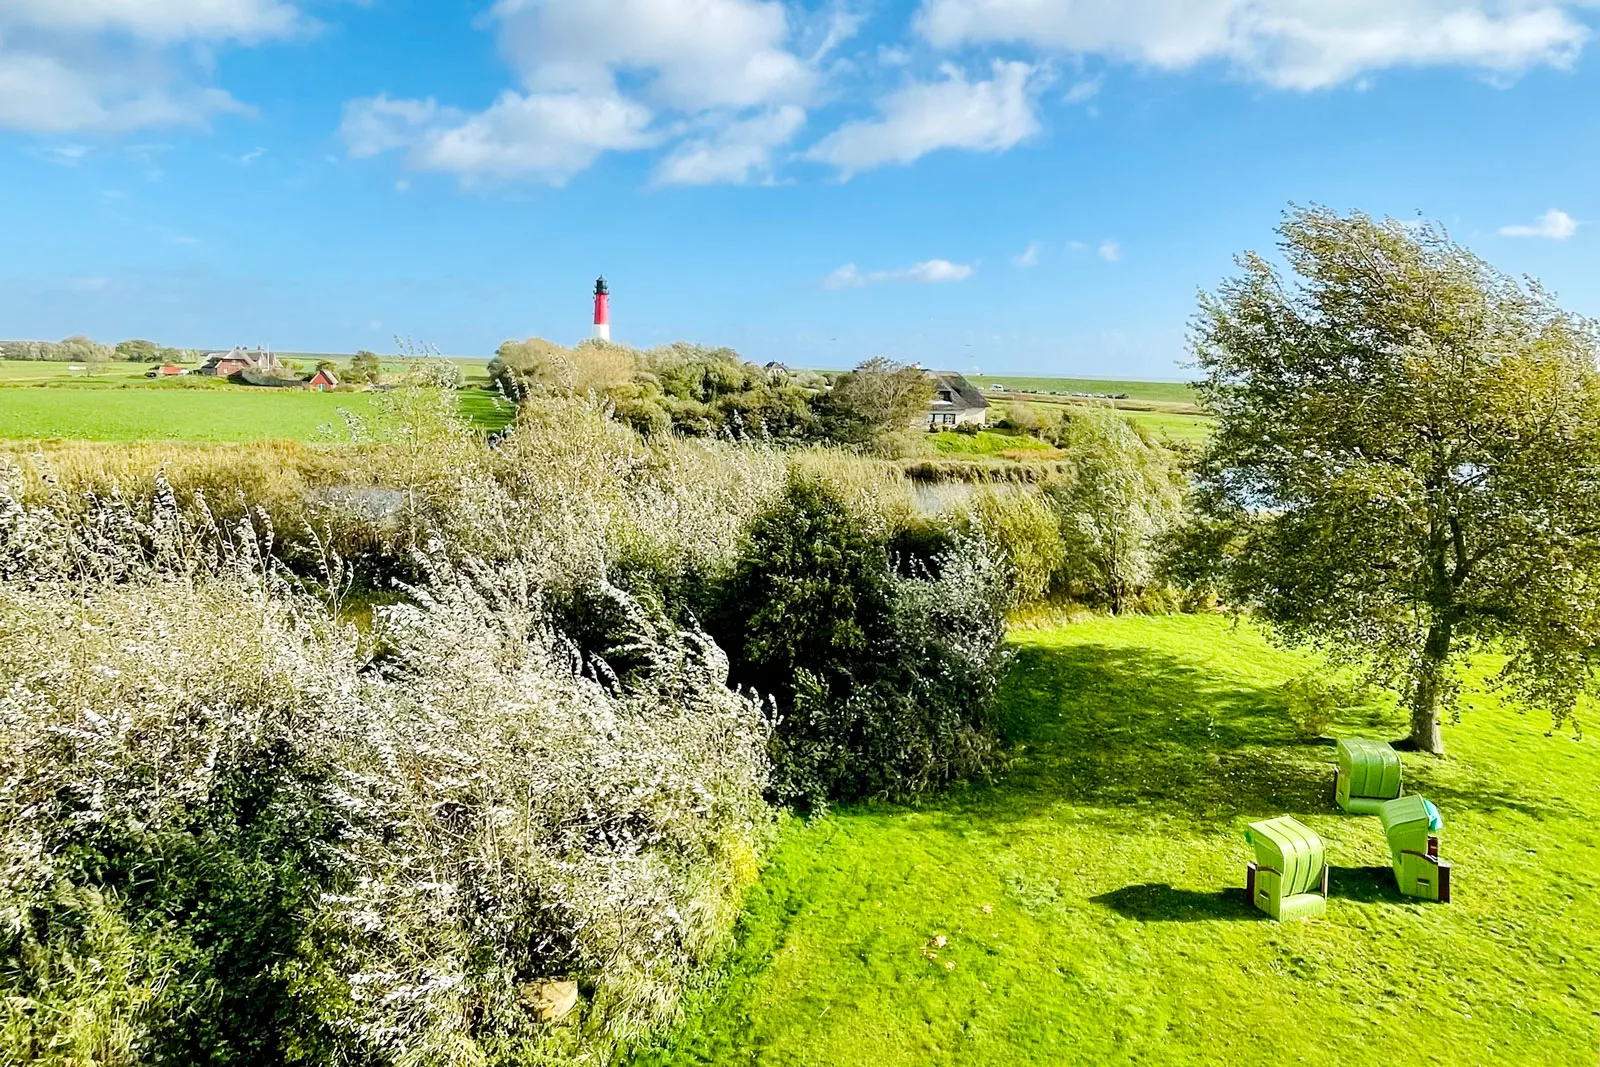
{"points": [[602, 310]]}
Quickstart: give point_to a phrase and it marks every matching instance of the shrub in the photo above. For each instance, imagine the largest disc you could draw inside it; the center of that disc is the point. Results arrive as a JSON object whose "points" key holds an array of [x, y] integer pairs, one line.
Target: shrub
{"points": [[1025, 534], [884, 683], [1314, 704], [1121, 495], [233, 830]]}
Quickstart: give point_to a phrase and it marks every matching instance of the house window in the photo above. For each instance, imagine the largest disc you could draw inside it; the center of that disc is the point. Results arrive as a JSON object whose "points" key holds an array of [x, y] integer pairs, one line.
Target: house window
{"points": [[944, 396]]}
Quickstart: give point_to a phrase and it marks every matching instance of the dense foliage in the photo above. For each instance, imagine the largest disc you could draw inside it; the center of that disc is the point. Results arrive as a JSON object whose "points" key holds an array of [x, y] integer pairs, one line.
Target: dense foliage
{"points": [[237, 831], [696, 391], [884, 680], [1407, 465], [235, 828], [80, 349]]}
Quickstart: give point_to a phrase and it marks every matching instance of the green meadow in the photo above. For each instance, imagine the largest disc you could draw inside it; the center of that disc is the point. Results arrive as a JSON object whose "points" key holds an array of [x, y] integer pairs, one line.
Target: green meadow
{"points": [[229, 414], [1161, 392], [117, 403], [1087, 907]]}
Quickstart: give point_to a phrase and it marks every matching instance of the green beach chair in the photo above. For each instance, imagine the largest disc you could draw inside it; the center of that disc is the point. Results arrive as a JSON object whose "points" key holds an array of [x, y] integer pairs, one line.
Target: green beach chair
{"points": [[1289, 878], [1368, 775], [1412, 825]]}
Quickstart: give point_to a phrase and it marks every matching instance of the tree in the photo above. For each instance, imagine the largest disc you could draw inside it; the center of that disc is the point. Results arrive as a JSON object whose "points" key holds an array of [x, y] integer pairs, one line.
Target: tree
{"points": [[1407, 464], [1122, 493], [365, 367], [877, 400], [81, 349], [135, 351]]}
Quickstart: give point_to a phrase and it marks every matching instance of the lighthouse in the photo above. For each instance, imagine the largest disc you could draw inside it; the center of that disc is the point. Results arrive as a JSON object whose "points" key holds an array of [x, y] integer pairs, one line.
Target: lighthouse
{"points": [[602, 310]]}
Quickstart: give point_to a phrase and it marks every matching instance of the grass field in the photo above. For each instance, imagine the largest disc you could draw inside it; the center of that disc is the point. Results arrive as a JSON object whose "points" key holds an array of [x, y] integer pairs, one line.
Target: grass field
{"points": [[233, 414], [1190, 429], [1166, 409], [1091, 900], [1162, 392], [117, 403], [43, 400]]}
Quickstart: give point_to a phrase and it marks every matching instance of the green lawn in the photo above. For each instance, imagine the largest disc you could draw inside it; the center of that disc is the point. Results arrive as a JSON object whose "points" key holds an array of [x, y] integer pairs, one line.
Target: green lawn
{"points": [[1173, 427], [230, 414], [1165, 392], [1092, 901], [40, 371], [43, 400]]}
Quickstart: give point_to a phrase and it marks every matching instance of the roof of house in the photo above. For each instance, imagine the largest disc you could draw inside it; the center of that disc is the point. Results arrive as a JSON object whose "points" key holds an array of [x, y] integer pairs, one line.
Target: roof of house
{"points": [[324, 372], [244, 355], [964, 396]]}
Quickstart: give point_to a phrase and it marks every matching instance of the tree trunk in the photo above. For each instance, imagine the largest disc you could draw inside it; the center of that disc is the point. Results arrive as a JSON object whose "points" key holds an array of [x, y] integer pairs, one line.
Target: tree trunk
{"points": [[1425, 734]]}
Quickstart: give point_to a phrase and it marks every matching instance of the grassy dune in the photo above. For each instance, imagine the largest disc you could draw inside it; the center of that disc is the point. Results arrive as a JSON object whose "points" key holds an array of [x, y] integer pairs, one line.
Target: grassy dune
{"points": [[1091, 901]]}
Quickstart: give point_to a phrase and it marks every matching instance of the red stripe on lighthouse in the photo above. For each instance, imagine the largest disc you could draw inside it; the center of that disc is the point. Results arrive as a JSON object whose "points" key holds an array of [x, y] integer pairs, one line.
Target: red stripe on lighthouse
{"points": [[602, 310]]}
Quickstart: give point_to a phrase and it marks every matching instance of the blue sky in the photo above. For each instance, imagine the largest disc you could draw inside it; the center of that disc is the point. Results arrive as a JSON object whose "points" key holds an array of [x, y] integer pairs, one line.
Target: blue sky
{"points": [[1014, 185]]}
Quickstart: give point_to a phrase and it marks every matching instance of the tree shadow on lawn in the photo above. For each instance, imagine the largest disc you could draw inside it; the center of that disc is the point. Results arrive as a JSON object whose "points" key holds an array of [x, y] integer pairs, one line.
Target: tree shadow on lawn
{"points": [[1136, 728]]}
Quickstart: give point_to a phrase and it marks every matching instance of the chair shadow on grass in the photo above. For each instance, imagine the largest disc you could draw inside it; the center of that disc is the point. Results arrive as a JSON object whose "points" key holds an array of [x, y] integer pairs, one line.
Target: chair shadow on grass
{"points": [[1369, 885], [1159, 902]]}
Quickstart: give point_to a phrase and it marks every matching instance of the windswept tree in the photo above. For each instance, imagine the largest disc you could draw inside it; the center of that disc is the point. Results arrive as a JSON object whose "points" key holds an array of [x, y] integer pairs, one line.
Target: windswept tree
{"points": [[1122, 493], [364, 367], [1407, 465], [876, 401]]}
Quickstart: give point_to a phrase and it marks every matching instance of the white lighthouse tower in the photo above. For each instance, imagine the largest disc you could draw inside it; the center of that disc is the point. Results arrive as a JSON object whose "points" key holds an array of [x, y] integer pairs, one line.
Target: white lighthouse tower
{"points": [[602, 311]]}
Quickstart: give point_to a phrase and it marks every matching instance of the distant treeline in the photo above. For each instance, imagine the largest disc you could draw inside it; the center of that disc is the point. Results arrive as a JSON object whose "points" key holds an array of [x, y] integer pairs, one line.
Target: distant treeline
{"points": [[80, 349], [695, 391]]}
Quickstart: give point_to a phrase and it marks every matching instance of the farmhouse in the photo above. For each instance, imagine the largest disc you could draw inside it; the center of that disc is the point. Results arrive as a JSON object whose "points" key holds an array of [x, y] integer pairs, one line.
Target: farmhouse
{"points": [[239, 360], [955, 402], [323, 380]]}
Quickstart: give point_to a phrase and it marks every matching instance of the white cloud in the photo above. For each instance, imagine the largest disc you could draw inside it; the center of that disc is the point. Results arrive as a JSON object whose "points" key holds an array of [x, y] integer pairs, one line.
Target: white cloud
{"points": [[1076, 246], [1109, 251], [724, 78], [928, 272], [740, 152], [40, 93], [1553, 225], [546, 137], [893, 56], [160, 20], [1294, 44], [1029, 257], [688, 54], [1083, 91], [118, 65], [981, 116], [380, 124]]}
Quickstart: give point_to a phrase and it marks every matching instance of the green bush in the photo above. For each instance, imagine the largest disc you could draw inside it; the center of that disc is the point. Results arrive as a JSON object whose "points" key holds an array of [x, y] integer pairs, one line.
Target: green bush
{"points": [[884, 683], [1025, 534], [232, 830]]}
